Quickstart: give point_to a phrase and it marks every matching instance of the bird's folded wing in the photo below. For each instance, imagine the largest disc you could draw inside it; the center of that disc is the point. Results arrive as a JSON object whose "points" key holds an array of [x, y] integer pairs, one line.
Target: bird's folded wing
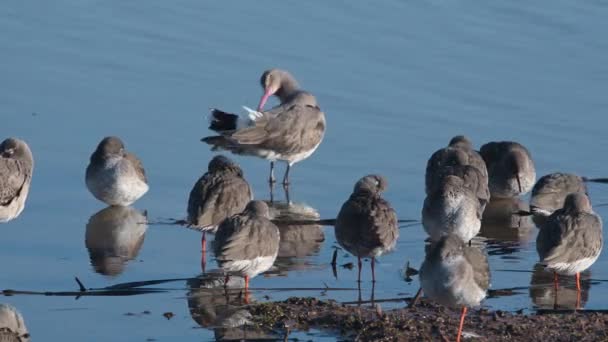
{"points": [[13, 176], [573, 238], [139, 167]]}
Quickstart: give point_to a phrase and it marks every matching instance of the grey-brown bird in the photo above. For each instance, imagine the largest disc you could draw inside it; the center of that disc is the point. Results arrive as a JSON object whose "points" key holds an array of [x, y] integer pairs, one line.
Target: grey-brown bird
{"points": [[571, 239], [510, 168], [115, 176], [16, 168], [457, 163], [455, 275], [289, 132], [366, 225], [452, 209], [247, 244], [459, 152], [220, 193], [549, 193]]}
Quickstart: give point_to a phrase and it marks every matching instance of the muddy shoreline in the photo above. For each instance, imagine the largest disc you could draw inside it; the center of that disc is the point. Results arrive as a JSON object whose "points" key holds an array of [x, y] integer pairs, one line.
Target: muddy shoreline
{"points": [[427, 322]]}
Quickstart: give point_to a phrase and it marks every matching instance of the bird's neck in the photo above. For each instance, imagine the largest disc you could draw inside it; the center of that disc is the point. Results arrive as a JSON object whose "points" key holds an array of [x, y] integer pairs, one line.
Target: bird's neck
{"points": [[288, 88]]}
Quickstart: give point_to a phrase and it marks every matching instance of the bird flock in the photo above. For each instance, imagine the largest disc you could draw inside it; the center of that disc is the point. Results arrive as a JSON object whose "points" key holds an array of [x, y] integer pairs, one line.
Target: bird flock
{"points": [[459, 183]]}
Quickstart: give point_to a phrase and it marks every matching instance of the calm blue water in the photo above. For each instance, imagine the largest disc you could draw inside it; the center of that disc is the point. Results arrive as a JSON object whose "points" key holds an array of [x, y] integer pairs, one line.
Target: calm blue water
{"points": [[396, 80]]}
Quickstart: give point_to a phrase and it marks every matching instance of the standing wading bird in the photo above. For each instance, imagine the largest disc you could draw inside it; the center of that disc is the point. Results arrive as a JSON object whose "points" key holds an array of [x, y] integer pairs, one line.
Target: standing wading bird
{"points": [[510, 168], [115, 176], [570, 240], [220, 193], [290, 132], [451, 156], [16, 168], [367, 224], [455, 275], [247, 244], [551, 190], [456, 163], [452, 209]]}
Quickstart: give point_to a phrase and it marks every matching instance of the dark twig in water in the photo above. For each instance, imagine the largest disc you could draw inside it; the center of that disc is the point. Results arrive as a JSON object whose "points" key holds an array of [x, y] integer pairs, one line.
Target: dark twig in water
{"points": [[333, 263], [80, 285], [409, 272]]}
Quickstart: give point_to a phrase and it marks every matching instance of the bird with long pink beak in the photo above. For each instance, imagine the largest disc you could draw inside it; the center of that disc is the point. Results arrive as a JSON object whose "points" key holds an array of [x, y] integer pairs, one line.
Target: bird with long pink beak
{"points": [[289, 132]]}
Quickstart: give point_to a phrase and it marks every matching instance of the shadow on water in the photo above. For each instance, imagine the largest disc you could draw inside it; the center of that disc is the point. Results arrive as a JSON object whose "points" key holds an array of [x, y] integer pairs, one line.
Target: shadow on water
{"points": [[219, 306], [500, 223], [545, 296], [113, 237], [298, 241]]}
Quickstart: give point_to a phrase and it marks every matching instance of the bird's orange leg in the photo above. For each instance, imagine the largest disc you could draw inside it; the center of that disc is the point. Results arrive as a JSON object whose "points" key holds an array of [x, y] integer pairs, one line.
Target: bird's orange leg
{"points": [[464, 313], [578, 291], [246, 289]]}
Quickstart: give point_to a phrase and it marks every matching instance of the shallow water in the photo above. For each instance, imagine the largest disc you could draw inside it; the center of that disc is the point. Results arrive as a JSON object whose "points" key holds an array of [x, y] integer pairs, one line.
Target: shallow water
{"points": [[396, 80]]}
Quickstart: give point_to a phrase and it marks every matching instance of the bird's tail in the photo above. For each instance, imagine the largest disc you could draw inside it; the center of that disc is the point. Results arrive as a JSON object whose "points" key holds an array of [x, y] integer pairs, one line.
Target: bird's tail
{"points": [[223, 122]]}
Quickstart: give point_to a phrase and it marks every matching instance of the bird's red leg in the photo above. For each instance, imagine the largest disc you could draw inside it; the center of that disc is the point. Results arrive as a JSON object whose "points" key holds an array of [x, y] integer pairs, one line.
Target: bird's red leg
{"points": [[555, 282], [359, 265], [373, 270], [464, 313], [246, 289], [578, 290]]}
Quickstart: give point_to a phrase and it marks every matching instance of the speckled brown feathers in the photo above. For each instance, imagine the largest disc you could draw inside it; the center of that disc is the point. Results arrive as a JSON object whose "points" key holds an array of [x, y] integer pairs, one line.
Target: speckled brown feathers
{"points": [[367, 224], [220, 193], [247, 235], [570, 234], [16, 167]]}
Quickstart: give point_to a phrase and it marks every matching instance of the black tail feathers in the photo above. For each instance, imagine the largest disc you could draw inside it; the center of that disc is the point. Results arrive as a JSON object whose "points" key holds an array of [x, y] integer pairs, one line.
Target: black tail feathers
{"points": [[222, 121]]}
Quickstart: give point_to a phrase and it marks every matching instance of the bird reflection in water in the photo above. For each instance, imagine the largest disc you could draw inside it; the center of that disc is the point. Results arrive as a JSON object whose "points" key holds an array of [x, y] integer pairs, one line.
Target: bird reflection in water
{"points": [[455, 274], [113, 237], [219, 306], [545, 295], [12, 325], [505, 229], [300, 237]]}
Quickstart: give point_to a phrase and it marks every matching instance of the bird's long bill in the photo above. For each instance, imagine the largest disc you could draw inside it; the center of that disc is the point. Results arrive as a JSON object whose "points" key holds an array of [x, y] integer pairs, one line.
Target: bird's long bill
{"points": [[263, 100], [519, 183]]}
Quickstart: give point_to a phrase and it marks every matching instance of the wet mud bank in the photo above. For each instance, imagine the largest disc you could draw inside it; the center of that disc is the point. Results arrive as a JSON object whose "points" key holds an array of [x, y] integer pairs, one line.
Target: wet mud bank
{"points": [[427, 322]]}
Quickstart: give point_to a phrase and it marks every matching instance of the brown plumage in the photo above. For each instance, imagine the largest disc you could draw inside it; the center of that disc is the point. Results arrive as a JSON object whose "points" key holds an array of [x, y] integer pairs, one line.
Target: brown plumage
{"points": [[16, 168], [511, 170], [220, 193], [458, 153], [455, 275], [550, 191], [115, 176], [290, 132], [366, 225], [571, 239], [570, 234], [247, 244]]}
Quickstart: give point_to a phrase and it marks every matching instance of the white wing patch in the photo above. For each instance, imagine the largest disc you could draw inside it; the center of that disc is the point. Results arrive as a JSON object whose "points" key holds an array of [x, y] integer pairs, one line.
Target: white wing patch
{"points": [[247, 119]]}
